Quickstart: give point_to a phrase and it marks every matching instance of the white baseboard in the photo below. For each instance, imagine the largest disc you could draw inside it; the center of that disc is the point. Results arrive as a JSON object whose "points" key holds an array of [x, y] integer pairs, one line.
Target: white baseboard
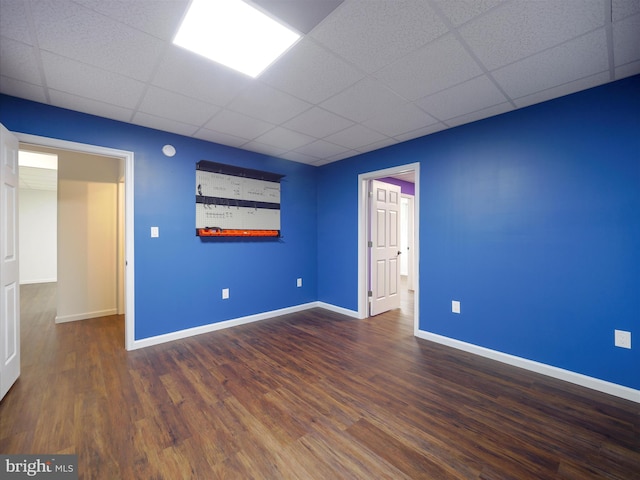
{"points": [[85, 316], [334, 308], [212, 327], [551, 371]]}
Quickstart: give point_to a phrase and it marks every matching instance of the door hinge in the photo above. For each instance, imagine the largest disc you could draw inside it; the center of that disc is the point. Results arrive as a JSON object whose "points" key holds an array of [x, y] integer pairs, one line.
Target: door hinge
{"points": [[369, 293], [370, 244]]}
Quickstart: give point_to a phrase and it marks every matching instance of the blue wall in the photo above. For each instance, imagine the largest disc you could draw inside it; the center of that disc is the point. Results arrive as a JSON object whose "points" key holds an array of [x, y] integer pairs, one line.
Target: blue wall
{"points": [[178, 276], [531, 219]]}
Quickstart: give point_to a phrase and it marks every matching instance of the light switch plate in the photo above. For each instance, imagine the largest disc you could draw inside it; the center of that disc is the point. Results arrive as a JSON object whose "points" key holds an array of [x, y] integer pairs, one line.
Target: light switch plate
{"points": [[155, 232], [455, 306]]}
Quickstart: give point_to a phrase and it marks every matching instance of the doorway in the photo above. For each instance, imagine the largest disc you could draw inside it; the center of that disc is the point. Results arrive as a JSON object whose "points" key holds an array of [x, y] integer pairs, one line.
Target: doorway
{"points": [[364, 266], [87, 237], [126, 188]]}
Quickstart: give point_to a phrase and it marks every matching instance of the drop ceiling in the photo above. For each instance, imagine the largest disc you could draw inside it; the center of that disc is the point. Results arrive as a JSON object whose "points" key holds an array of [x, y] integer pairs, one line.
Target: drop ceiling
{"points": [[367, 73]]}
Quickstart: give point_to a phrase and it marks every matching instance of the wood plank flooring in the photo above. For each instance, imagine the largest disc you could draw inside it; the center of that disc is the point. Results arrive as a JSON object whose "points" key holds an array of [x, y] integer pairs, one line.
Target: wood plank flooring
{"points": [[313, 395]]}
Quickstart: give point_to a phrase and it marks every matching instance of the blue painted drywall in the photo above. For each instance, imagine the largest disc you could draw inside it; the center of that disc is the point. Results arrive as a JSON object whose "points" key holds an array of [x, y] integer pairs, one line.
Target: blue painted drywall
{"points": [[178, 276], [530, 219]]}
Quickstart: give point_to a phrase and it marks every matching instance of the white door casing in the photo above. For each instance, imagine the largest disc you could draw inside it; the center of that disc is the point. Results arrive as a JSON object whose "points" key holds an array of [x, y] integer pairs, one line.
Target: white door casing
{"points": [[385, 247], [9, 271], [409, 256]]}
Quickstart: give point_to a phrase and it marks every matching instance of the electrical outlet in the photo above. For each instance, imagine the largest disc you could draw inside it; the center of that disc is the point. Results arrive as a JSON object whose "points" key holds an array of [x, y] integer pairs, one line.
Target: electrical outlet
{"points": [[622, 339], [225, 293], [455, 306], [155, 232], [299, 282]]}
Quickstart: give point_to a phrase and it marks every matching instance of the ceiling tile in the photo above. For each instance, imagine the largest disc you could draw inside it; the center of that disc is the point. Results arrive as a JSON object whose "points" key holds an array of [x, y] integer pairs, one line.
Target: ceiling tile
{"points": [[321, 149], [16, 88], [340, 156], [267, 103], [299, 157], [33, 178], [284, 138], [158, 18], [19, 61], [376, 145], [579, 58], [626, 40], [480, 114], [311, 73], [90, 82], [522, 28], [13, 21], [317, 122], [397, 121], [76, 32], [264, 149], [421, 132], [461, 11], [355, 137], [220, 138], [164, 124], [86, 105], [363, 100], [190, 74], [627, 70], [372, 34], [435, 67], [564, 89], [162, 103], [470, 96], [301, 15], [623, 8], [229, 122]]}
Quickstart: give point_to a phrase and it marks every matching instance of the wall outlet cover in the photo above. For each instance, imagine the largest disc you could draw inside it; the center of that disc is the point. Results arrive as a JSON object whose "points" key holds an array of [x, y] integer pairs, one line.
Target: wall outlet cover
{"points": [[299, 282], [622, 339], [225, 293]]}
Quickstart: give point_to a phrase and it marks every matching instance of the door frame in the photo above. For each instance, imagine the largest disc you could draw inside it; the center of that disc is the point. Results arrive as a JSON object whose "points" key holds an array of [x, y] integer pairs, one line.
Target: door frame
{"points": [[363, 227], [410, 228], [129, 257]]}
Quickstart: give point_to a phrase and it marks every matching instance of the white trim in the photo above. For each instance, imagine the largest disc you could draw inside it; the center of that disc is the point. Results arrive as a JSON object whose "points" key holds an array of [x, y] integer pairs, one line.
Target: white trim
{"points": [[85, 316], [341, 310], [549, 370], [363, 264], [128, 157], [212, 327], [43, 280]]}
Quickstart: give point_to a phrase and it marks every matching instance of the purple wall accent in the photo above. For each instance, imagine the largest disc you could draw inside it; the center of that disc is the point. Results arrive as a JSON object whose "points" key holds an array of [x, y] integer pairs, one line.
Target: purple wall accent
{"points": [[407, 188]]}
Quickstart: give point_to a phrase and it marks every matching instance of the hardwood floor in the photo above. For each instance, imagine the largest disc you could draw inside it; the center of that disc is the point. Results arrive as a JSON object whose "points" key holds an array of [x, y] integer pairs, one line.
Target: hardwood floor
{"points": [[313, 395]]}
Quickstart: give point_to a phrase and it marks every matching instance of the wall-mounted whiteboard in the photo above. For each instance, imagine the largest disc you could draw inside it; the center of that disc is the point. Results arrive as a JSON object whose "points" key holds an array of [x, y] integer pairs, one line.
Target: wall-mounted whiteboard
{"points": [[236, 202]]}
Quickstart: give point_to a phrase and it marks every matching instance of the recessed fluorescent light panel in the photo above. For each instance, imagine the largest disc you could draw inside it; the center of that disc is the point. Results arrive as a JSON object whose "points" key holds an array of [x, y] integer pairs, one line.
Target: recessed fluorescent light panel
{"points": [[235, 34]]}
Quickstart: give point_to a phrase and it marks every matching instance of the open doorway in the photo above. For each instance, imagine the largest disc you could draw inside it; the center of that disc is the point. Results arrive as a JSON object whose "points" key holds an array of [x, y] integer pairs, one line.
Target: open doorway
{"points": [[410, 171], [88, 235], [120, 193]]}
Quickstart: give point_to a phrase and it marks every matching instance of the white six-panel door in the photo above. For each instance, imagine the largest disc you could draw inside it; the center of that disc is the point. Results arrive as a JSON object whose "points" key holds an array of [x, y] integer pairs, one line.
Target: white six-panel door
{"points": [[385, 247], [9, 272]]}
